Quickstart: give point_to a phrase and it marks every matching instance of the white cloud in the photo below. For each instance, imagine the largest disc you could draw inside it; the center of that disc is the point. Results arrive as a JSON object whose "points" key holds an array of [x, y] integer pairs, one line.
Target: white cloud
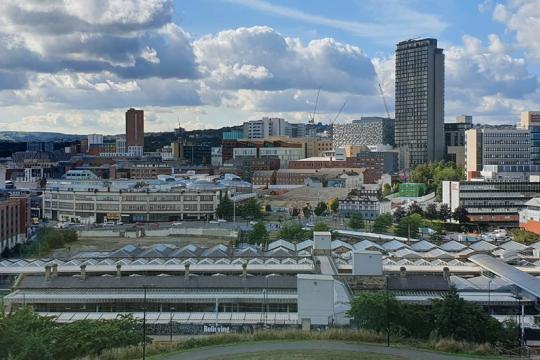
{"points": [[523, 19], [259, 58]]}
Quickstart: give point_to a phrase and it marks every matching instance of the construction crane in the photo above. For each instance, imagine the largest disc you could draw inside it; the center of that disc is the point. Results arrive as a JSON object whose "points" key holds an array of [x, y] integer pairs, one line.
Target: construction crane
{"points": [[383, 99], [338, 113], [312, 118]]}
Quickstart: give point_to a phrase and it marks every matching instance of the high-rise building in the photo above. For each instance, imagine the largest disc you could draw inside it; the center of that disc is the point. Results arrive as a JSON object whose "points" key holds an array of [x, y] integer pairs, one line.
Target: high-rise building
{"points": [[134, 131], [530, 120], [419, 129]]}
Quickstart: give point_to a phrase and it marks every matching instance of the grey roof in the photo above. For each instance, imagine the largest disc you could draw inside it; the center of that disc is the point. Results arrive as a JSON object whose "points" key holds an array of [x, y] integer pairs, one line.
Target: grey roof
{"points": [[422, 245], [453, 246], [523, 280], [418, 282], [159, 282]]}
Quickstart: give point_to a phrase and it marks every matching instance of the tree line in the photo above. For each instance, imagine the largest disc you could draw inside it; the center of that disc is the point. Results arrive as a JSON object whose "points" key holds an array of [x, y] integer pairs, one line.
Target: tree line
{"points": [[448, 317], [25, 335]]}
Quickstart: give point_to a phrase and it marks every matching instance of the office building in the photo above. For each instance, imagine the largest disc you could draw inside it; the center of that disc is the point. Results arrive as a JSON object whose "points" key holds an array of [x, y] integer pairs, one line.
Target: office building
{"points": [[121, 144], [491, 203], [364, 132], [500, 147], [419, 128], [135, 131], [365, 203], [454, 139], [264, 128], [92, 201], [530, 120], [95, 139]]}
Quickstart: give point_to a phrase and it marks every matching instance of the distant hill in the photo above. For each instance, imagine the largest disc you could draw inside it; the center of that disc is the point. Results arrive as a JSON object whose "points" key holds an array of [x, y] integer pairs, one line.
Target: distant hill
{"points": [[22, 136]]}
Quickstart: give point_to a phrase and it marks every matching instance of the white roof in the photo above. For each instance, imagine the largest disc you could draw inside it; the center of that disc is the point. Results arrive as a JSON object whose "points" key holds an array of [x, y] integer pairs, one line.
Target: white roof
{"points": [[366, 244], [407, 254], [514, 245], [281, 243]]}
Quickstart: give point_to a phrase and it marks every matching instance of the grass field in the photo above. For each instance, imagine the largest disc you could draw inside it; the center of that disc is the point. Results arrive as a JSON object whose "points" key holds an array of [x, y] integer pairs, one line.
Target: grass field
{"points": [[307, 355]]}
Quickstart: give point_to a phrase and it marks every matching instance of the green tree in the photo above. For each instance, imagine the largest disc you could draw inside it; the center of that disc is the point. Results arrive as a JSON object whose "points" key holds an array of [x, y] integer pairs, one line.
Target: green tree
{"points": [[382, 223], [251, 209], [433, 174], [369, 310], [409, 225], [292, 231], [320, 226], [455, 318], [320, 208], [306, 210], [259, 234], [461, 215], [444, 212], [399, 214], [431, 211], [387, 190], [414, 208], [333, 204], [356, 221], [225, 208]]}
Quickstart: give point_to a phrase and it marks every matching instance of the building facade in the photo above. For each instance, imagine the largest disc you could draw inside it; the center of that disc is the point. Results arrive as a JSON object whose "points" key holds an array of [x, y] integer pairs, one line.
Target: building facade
{"points": [[135, 131], [454, 139], [530, 120], [97, 202], [496, 147], [15, 220], [491, 203], [364, 132], [364, 203], [419, 128]]}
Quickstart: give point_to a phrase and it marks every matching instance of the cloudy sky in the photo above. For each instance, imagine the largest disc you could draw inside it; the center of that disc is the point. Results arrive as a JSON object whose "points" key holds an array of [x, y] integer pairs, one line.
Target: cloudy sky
{"points": [[75, 66]]}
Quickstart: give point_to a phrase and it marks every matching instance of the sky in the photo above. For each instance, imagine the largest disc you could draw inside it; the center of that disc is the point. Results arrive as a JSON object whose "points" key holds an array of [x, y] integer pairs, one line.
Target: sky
{"points": [[75, 66]]}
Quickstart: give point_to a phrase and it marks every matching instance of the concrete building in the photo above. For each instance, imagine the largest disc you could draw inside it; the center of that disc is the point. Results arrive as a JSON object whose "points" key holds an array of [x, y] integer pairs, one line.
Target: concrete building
{"points": [[264, 128], [121, 144], [530, 120], [486, 146], [419, 101], [95, 139], [131, 201], [364, 132], [454, 138], [15, 220], [217, 159], [491, 203], [135, 131], [40, 146]]}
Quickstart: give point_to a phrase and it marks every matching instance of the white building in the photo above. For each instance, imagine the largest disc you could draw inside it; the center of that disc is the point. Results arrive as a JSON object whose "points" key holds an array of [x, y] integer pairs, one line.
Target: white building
{"points": [[284, 154], [95, 139]]}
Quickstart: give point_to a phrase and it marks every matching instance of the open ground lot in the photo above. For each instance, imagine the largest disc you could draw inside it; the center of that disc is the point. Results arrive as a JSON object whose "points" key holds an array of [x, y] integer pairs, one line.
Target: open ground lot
{"points": [[300, 350]]}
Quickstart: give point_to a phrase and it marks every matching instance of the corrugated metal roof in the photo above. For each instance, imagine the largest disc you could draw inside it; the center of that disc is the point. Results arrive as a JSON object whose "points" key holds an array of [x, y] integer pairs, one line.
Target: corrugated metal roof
{"points": [[171, 282]]}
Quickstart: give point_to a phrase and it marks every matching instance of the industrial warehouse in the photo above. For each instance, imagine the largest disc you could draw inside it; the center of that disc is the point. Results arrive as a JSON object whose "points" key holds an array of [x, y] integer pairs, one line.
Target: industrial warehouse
{"points": [[193, 289]]}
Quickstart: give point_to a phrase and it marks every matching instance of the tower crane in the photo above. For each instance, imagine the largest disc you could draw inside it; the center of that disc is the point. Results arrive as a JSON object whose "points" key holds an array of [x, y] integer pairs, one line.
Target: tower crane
{"points": [[312, 118]]}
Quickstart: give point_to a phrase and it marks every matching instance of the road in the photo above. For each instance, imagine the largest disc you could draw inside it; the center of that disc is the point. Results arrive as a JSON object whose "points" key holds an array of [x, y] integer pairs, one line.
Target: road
{"points": [[243, 348]]}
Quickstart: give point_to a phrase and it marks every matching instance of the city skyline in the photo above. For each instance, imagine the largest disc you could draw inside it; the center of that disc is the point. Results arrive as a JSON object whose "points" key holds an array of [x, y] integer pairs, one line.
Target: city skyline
{"points": [[200, 63]]}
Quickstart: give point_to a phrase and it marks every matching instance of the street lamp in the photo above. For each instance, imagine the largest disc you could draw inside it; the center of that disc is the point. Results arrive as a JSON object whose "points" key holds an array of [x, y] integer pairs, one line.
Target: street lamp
{"points": [[171, 310]]}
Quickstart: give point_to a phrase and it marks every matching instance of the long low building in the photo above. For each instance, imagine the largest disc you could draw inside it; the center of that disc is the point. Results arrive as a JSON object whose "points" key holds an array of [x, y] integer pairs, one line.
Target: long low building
{"points": [[168, 199]]}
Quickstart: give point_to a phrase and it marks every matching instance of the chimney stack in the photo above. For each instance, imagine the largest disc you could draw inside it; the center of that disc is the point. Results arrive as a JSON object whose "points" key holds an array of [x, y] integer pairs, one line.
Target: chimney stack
{"points": [[244, 270], [83, 272], [54, 270], [118, 271], [186, 272], [403, 271], [47, 272]]}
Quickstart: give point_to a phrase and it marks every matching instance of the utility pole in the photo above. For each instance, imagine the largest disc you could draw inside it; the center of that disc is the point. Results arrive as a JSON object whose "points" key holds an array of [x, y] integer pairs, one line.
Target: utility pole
{"points": [[144, 325], [387, 315]]}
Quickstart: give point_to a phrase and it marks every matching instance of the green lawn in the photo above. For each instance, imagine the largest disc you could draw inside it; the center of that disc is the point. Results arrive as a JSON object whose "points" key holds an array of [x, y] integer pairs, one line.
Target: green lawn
{"points": [[307, 355]]}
